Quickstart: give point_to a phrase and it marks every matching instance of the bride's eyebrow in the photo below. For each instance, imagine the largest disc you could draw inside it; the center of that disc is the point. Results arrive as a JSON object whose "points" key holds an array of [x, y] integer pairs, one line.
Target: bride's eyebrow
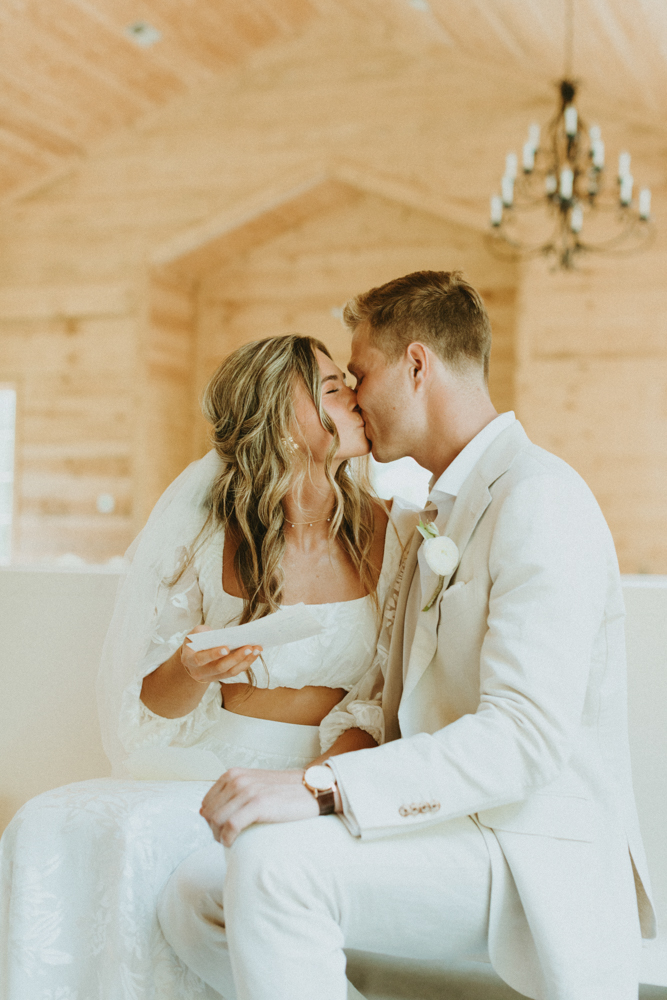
{"points": [[331, 378]]}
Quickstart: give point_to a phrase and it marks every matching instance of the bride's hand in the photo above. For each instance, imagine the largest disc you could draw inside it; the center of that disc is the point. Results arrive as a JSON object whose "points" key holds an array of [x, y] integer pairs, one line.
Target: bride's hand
{"points": [[215, 664]]}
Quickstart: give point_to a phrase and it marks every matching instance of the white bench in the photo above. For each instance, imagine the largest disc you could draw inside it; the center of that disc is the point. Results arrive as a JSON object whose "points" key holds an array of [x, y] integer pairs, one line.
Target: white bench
{"points": [[53, 624]]}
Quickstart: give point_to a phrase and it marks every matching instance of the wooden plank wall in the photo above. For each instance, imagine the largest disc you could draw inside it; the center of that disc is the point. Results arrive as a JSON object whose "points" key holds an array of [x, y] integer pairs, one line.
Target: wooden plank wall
{"points": [[71, 350], [592, 387], [166, 426], [401, 120]]}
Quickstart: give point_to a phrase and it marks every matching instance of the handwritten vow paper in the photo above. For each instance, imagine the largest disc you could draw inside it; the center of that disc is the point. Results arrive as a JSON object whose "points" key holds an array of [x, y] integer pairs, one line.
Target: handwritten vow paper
{"points": [[287, 625]]}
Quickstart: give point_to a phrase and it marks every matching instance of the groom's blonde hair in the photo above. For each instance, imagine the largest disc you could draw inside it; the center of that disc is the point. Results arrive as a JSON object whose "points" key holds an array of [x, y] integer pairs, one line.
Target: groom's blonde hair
{"points": [[440, 309]]}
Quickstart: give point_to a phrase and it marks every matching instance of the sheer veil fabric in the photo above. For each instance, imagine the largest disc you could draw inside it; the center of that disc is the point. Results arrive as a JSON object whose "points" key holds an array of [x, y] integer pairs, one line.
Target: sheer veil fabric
{"points": [[155, 555]]}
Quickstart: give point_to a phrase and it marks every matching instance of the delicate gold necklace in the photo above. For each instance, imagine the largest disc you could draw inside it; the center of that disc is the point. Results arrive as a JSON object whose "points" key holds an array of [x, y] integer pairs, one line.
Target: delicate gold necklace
{"points": [[299, 524]]}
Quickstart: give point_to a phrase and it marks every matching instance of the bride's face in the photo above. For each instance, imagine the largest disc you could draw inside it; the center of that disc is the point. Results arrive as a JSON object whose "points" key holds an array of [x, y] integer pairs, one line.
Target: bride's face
{"points": [[340, 403]]}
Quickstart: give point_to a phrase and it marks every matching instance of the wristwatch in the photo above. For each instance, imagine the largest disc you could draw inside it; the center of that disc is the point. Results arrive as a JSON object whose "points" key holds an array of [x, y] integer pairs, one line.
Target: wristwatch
{"points": [[320, 780]]}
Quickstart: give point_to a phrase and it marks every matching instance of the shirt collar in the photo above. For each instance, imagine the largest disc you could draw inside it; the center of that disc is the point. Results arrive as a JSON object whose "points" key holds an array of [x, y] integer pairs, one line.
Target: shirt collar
{"points": [[456, 473]]}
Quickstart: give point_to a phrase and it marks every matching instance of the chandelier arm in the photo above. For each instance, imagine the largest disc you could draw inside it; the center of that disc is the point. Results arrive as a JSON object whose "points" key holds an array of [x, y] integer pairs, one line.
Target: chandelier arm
{"points": [[645, 233], [569, 167], [499, 237], [504, 250]]}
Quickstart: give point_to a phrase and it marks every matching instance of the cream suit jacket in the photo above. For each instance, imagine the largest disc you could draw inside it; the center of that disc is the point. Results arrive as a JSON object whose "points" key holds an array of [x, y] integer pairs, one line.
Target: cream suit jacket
{"points": [[511, 708]]}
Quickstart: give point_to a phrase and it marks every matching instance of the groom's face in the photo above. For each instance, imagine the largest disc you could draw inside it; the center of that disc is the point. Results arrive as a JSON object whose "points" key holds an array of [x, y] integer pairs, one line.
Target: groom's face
{"points": [[382, 397]]}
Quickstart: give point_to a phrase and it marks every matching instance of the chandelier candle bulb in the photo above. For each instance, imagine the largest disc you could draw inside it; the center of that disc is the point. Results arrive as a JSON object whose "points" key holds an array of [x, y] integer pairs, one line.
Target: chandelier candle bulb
{"points": [[597, 154], [496, 210], [534, 136], [577, 219], [571, 121], [623, 165], [566, 183], [511, 165], [594, 133], [551, 184], [626, 189], [644, 204], [508, 191], [528, 158]]}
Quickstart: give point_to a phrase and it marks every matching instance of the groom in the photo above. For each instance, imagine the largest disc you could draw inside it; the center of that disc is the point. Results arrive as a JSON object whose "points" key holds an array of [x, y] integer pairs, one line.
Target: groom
{"points": [[498, 819]]}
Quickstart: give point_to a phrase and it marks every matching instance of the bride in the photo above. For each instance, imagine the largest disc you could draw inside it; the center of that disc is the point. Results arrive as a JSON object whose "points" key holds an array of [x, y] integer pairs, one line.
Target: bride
{"points": [[277, 514]]}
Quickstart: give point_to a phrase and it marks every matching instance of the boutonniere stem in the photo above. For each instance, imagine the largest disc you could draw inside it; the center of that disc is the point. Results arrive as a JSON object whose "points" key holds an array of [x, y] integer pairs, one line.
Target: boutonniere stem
{"points": [[441, 554], [427, 607]]}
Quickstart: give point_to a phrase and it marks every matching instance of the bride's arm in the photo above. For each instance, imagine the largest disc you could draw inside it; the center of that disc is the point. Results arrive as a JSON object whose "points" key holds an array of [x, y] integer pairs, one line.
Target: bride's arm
{"points": [[177, 686], [170, 691], [351, 739]]}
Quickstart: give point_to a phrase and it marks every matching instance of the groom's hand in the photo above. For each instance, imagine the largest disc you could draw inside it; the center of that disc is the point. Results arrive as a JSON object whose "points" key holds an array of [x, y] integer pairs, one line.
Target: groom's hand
{"points": [[243, 796]]}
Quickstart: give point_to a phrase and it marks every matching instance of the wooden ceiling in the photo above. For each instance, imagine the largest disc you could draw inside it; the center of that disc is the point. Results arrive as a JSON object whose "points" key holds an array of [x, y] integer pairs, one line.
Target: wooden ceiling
{"points": [[70, 75], [618, 47]]}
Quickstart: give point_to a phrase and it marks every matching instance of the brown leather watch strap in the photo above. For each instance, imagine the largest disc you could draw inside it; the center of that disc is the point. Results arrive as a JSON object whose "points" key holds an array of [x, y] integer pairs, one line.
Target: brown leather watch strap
{"points": [[327, 802]]}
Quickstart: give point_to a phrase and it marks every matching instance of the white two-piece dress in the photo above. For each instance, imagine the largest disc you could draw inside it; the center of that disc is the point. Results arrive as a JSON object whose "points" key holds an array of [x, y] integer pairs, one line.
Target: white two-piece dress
{"points": [[82, 866]]}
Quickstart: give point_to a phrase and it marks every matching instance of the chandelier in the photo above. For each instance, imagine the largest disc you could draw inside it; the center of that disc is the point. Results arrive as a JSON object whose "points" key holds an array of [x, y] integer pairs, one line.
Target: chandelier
{"points": [[560, 203]]}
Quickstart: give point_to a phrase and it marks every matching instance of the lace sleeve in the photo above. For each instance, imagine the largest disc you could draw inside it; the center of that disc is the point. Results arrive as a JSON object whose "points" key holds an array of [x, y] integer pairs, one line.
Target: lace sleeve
{"points": [[361, 708], [178, 611]]}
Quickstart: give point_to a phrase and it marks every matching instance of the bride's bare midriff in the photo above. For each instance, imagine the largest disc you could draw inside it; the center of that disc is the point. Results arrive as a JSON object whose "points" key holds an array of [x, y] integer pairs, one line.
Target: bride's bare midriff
{"points": [[305, 706]]}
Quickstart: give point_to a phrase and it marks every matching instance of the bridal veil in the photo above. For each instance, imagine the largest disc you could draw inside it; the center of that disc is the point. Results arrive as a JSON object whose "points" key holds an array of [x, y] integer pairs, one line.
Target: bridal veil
{"points": [[155, 556]]}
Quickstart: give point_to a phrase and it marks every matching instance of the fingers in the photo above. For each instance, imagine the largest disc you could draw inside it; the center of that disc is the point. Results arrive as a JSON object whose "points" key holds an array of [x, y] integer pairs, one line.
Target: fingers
{"points": [[213, 664], [227, 801], [237, 661], [244, 796]]}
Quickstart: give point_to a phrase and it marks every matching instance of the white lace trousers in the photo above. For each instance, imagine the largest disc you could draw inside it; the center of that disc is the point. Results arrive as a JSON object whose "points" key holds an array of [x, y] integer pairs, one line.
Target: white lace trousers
{"points": [[296, 894], [81, 869]]}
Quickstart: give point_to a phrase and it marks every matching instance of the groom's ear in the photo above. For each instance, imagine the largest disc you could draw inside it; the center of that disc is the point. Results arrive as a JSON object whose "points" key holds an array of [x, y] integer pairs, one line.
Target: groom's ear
{"points": [[419, 362]]}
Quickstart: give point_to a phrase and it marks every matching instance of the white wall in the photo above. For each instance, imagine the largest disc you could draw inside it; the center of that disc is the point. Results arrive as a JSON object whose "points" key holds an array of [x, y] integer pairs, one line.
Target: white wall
{"points": [[52, 625]]}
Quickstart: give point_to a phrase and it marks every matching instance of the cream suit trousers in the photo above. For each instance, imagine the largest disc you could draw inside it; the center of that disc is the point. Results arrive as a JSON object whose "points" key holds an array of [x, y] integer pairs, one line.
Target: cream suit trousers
{"points": [[296, 894]]}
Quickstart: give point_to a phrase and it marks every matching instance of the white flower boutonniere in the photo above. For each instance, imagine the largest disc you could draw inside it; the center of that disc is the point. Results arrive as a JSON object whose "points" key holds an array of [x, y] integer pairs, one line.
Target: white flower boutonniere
{"points": [[441, 554]]}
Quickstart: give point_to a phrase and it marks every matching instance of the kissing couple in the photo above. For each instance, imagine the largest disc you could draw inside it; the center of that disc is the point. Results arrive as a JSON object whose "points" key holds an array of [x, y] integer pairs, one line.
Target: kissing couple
{"points": [[441, 772]]}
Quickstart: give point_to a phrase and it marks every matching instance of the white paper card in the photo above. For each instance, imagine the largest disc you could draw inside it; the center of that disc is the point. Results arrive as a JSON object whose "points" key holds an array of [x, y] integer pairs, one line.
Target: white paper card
{"points": [[290, 624]]}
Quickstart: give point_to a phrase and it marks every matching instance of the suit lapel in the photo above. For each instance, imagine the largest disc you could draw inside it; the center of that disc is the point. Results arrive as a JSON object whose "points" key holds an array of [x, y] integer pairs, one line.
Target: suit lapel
{"points": [[463, 520], [470, 505], [393, 681]]}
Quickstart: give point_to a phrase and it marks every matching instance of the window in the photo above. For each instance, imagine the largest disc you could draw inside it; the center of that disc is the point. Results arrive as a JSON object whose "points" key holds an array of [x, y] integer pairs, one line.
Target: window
{"points": [[7, 439]]}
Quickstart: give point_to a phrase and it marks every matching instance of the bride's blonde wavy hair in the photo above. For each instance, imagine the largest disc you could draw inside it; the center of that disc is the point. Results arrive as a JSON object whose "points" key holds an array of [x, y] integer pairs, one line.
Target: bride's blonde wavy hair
{"points": [[249, 401]]}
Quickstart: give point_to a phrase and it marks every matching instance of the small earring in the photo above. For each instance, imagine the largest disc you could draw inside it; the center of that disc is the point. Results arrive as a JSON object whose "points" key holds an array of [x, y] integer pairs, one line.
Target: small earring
{"points": [[290, 440]]}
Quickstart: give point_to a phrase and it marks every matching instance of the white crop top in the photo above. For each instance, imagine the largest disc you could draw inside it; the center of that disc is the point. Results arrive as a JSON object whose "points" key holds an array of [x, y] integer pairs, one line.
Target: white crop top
{"points": [[342, 656]]}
